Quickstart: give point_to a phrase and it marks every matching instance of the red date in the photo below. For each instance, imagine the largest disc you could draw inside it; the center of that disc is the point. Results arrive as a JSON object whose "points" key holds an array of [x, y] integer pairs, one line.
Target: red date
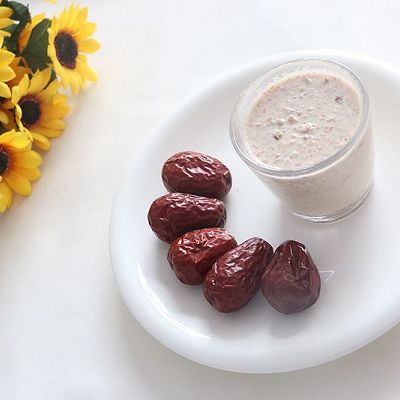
{"points": [[196, 173], [236, 276], [192, 255], [174, 214], [291, 282]]}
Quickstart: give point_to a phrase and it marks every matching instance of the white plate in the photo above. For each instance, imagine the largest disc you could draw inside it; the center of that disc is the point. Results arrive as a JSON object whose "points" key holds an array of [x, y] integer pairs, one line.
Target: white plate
{"points": [[358, 256]]}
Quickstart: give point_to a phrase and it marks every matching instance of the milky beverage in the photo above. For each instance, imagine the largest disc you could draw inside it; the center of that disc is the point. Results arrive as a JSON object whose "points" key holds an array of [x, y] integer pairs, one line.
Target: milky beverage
{"points": [[298, 122], [303, 120]]}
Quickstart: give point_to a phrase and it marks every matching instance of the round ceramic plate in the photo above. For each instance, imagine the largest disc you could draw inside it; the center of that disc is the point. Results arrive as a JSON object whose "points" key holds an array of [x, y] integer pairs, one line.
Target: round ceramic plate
{"points": [[357, 256]]}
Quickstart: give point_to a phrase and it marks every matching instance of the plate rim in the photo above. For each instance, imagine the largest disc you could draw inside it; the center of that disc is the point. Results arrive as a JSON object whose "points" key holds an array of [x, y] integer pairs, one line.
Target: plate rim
{"points": [[157, 132]]}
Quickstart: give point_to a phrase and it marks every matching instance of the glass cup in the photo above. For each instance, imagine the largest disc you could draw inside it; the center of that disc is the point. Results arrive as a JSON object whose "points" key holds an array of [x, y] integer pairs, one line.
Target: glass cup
{"points": [[330, 189]]}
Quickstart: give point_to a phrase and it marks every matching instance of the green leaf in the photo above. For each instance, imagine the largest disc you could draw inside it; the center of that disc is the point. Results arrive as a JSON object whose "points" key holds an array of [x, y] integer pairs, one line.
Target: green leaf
{"points": [[20, 11], [11, 41], [22, 15], [35, 52]]}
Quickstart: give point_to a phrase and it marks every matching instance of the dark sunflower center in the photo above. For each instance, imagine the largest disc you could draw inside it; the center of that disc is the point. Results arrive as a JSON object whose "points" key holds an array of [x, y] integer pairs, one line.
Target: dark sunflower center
{"points": [[66, 49], [4, 161], [30, 107]]}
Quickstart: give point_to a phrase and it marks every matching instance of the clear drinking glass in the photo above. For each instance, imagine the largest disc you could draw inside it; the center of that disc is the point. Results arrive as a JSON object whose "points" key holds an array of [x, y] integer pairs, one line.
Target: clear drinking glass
{"points": [[330, 189]]}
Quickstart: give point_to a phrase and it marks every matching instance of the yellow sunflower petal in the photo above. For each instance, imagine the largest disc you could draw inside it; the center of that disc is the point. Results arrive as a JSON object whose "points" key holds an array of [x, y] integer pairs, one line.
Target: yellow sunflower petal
{"points": [[87, 30], [24, 85], [20, 143], [55, 111], [4, 90], [5, 22], [70, 17], [51, 90], [3, 117], [3, 203], [20, 184], [32, 174], [60, 99], [89, 45], [27, 159], [40, 141], [82, 16], [5, 12], [18, 116], [43, 131], [73, 82], [79, 78], [6, 73], [7, 196], [39, 81], [19, 70], [15, 96], [88, 73], [54, 124], [6, 57], [78, 16], [7, 137], [38, 18]]}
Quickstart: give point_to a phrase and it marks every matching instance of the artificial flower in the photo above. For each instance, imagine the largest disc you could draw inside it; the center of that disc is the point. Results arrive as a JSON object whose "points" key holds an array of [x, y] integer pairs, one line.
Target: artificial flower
{"points": [[39, 108], [69, 37], [36, 59], [18, 167], [24, 36]]}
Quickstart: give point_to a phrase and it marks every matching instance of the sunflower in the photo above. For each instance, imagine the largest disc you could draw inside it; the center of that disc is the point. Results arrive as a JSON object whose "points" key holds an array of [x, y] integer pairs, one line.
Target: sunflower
{"points": [[18, 167], [24, 36], [68, 39], [5, 20], [39, 108]]}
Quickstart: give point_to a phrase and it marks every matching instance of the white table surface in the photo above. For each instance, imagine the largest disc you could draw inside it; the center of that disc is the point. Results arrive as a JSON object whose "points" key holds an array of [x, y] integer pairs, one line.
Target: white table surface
{"points": [[64, 331]]}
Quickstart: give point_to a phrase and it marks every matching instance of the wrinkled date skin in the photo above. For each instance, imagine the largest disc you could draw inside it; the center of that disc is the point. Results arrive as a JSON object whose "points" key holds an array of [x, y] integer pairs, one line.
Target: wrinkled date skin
{"points": [[174, 214], [192, 255], [236, 276], [196, 173], [291, 282]]}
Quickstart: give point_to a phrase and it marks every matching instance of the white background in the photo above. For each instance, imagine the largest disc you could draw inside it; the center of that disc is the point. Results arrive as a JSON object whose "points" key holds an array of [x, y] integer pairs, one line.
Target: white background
{"points": [[64, 331]]}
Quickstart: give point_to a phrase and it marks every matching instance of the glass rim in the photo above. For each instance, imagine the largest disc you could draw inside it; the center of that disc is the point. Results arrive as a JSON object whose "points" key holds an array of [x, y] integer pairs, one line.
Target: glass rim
{"points": [[259, 167]]}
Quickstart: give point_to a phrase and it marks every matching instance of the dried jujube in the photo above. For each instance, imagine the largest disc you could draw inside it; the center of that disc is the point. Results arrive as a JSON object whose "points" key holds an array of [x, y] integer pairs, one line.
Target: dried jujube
{"points": [[192, 255], [291, 282], [174, 214], [196, 173], [236, 276]]}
